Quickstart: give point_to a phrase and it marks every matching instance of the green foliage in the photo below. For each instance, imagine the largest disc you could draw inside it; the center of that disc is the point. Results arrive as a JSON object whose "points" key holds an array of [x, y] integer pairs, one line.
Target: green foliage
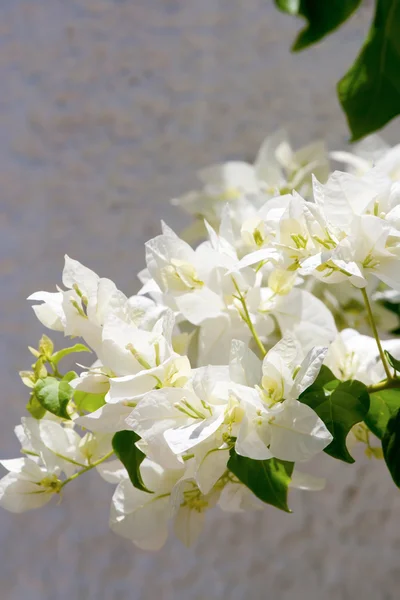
{"points": [[393, 362], [87, 402], [52, 392], [340, 405], [46, 346], [34, 407], [322, 16], [383, 405], [370, 90], [124, 445], [65, 351], [267, 479], [391, 447], [70, 376], [394, 307], [54, 395]]}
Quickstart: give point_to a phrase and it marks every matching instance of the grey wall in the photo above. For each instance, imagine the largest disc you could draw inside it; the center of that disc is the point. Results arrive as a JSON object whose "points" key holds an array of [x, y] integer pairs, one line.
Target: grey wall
{"points": [[106, 110]]}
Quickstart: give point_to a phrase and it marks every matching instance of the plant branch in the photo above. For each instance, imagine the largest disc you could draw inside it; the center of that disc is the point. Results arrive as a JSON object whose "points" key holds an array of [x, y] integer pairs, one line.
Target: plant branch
{"points": [[376, 334], [85, 469], [247, 319], [387, 384]]}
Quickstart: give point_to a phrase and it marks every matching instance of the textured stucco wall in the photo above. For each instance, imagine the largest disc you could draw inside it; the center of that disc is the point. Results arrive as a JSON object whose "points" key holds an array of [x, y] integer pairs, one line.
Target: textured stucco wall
{"points": [[106, 110]]}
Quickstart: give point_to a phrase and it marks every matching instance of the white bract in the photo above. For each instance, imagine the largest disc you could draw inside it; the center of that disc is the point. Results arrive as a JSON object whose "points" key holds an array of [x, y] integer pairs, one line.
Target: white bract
{"points": [[52, 451], [239, 357], [274, 422]]}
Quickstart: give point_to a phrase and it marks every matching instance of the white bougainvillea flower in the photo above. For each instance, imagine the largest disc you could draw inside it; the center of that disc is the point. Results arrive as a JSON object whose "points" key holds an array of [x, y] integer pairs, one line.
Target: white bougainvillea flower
{"points": [[355, 356], [88, 301], [189, 506], [244, 186], [142, 517], [82, 309], [236, 498], [207, 301], [126, 392], [301, 233], [345, 196], [370, 152], [275, 423], [28, 485], [371, 249], [351, 356], [144, 360], [261, 228], [49, 442], [300, 313], [175, 363], [50, 312], [52, 451], [127, 349], [179, 416]]}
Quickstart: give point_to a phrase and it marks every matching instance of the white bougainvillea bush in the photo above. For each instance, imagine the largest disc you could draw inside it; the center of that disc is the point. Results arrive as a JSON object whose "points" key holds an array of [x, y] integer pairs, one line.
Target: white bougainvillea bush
{"points": [[242, 357]]}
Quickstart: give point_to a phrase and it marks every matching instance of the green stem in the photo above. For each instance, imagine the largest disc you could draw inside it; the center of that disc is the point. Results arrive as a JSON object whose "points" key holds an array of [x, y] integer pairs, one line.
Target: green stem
{"points": [[247, 319], [376, 334], [85, 469], [388, 384]]}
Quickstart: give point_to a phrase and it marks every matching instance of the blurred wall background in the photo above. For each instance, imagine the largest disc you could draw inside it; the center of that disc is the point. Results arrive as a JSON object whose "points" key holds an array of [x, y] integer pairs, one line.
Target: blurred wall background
{"points": [[107, 108]]}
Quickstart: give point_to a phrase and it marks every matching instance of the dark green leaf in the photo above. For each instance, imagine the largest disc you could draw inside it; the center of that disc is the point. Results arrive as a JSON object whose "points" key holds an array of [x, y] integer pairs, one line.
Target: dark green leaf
{"points": [[267, 479], [370, 90], [383, 405], [322, 16], [124, 445], [54, 395], [340, 406], [394, 307], [34, 407], [393, 362], [391, 447], [88, 402], [65, 351]]}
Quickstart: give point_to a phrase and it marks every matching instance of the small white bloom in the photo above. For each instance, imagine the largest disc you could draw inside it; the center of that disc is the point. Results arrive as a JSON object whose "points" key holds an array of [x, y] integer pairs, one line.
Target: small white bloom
{"points": [[274, 422], [28, 485], [142, 517]]}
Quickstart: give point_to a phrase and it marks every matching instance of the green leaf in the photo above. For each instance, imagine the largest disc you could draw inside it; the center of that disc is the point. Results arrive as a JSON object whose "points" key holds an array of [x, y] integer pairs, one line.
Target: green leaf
{"points": [[88, 402], [33, 351], [70, 376], [383, 405], [28, 378], [267, 479], [393, 362], [39, 369], [370, 91], [322, 16], [124, 445], [46, 346], [391, 447], [290, 6], [394, 307], [54, 395], [34, 407], [340, 405], [65, 351]]}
